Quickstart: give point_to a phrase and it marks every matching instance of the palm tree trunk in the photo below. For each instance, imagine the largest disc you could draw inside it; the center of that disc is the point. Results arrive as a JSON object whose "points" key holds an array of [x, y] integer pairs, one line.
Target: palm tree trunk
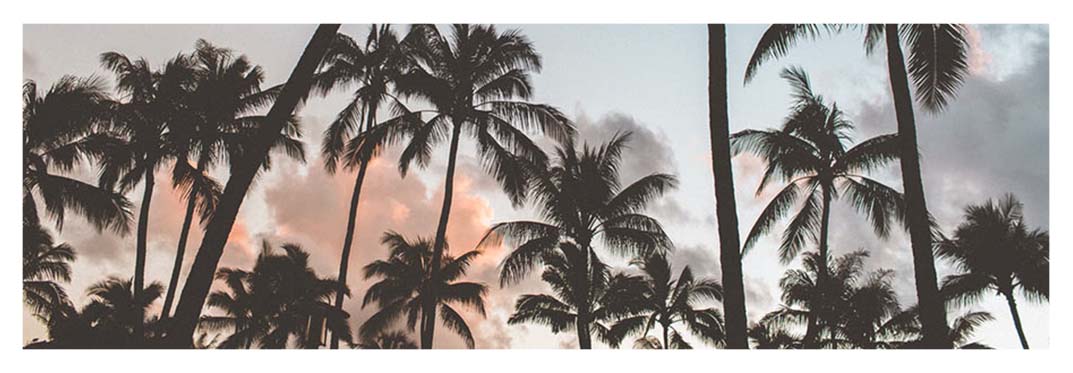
{"points": [[1016, 319], [180, 251], [666, 337], [726, 211], [584, 334], [140, 253], [428, 314], [819, 306], [313, 332], [348, 240], [932, 311], [201, 274]]}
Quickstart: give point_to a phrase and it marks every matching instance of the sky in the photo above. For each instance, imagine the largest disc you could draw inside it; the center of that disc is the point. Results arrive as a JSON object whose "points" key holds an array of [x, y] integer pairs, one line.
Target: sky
{"points": [[647, 79]]}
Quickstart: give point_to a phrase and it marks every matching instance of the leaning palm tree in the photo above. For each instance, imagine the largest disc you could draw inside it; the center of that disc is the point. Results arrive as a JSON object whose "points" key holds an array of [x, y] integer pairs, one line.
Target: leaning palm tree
{"points": [[938, 63], [394, 340], [582, 203], [672, 301], [280, 300], [810, 153], [475, 80], [407, 282], [60, 130], [244, 169], [995, 250], [44, 265], [372, 69]]}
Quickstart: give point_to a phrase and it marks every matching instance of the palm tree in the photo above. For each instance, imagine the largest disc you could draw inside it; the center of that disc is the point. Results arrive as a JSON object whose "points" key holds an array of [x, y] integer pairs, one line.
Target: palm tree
{"points": [[668, 301], [938, 63], [809, 153], [723, 175], [243, 171], [589, 310], [154, 100], [770, 334], [872, 318], [818, 305], [226, 98], [280, 299], [477, 79], [581, 200], [394, 340], [993, 249], [59, 132], [44, 264], [373, 69], [407, 282], [116, 310]]}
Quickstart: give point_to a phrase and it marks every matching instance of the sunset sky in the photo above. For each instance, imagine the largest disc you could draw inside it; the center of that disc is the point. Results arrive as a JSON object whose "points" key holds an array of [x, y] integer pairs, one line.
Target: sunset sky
{"points": [[648, 79]]}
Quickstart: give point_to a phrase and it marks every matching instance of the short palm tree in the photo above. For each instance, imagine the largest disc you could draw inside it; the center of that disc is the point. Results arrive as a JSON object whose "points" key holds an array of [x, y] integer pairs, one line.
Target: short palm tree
{"points": [[993, 249], [818, 305], [116, 310], [961, 330], [59, 132], [372, 68], [872, 318], [810, 153], [582, 202], [406, 284], [673, 301], [281, 299], [773, 335], [477, 80], [44, 265], [938, 63], [394, 340]]}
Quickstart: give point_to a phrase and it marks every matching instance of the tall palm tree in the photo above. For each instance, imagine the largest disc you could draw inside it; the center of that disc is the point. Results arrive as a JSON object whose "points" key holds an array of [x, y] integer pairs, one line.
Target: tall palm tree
{"points": [[993, 249], [669, 301], [478, 80], [44, 265], [154, 101], [588, 298], [810, 153], [725, 207], [407, 282], [281, 299], [59, 132], [938, 63], [226, 99], [373, 69], [394, 340], [582, 202], [243, 171]]}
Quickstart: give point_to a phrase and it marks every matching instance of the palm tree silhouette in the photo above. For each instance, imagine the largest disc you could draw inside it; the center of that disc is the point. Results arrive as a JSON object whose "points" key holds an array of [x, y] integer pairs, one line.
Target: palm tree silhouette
{"points": [[44, 265], [61, 129], [394, 340], [771, 334], [373, 69], [243, 171], [226, 98], [668, 301], [723, 175], [993, 249], [407, 282], [809, 153], [281, 299], [938, 63], [580, 199], [477, 79]]}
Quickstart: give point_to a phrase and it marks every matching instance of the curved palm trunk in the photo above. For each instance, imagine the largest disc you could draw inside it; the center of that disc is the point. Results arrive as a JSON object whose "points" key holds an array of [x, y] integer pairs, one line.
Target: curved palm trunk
{"points": [[932, 311], [815, 317], [140, 253], [201, 274], [348, 240], [725, 208], [1016, 319], [180, 251], [428, 309]]}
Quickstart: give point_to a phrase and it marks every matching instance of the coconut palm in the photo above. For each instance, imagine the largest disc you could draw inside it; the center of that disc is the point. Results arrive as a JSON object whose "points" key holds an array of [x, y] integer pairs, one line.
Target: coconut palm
{"points": [[938, 63], [993, 249], [587, 299], [582, 202], [44, 265], [818, 305], [59, 130], [117, 311], [393, 340], [768, 335], [406, 282], [226, 99], [810, 153], [723, 174], [243, 171], [372, 68], [872, 317], [476, 79], [670, 301], [280, 300]]}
